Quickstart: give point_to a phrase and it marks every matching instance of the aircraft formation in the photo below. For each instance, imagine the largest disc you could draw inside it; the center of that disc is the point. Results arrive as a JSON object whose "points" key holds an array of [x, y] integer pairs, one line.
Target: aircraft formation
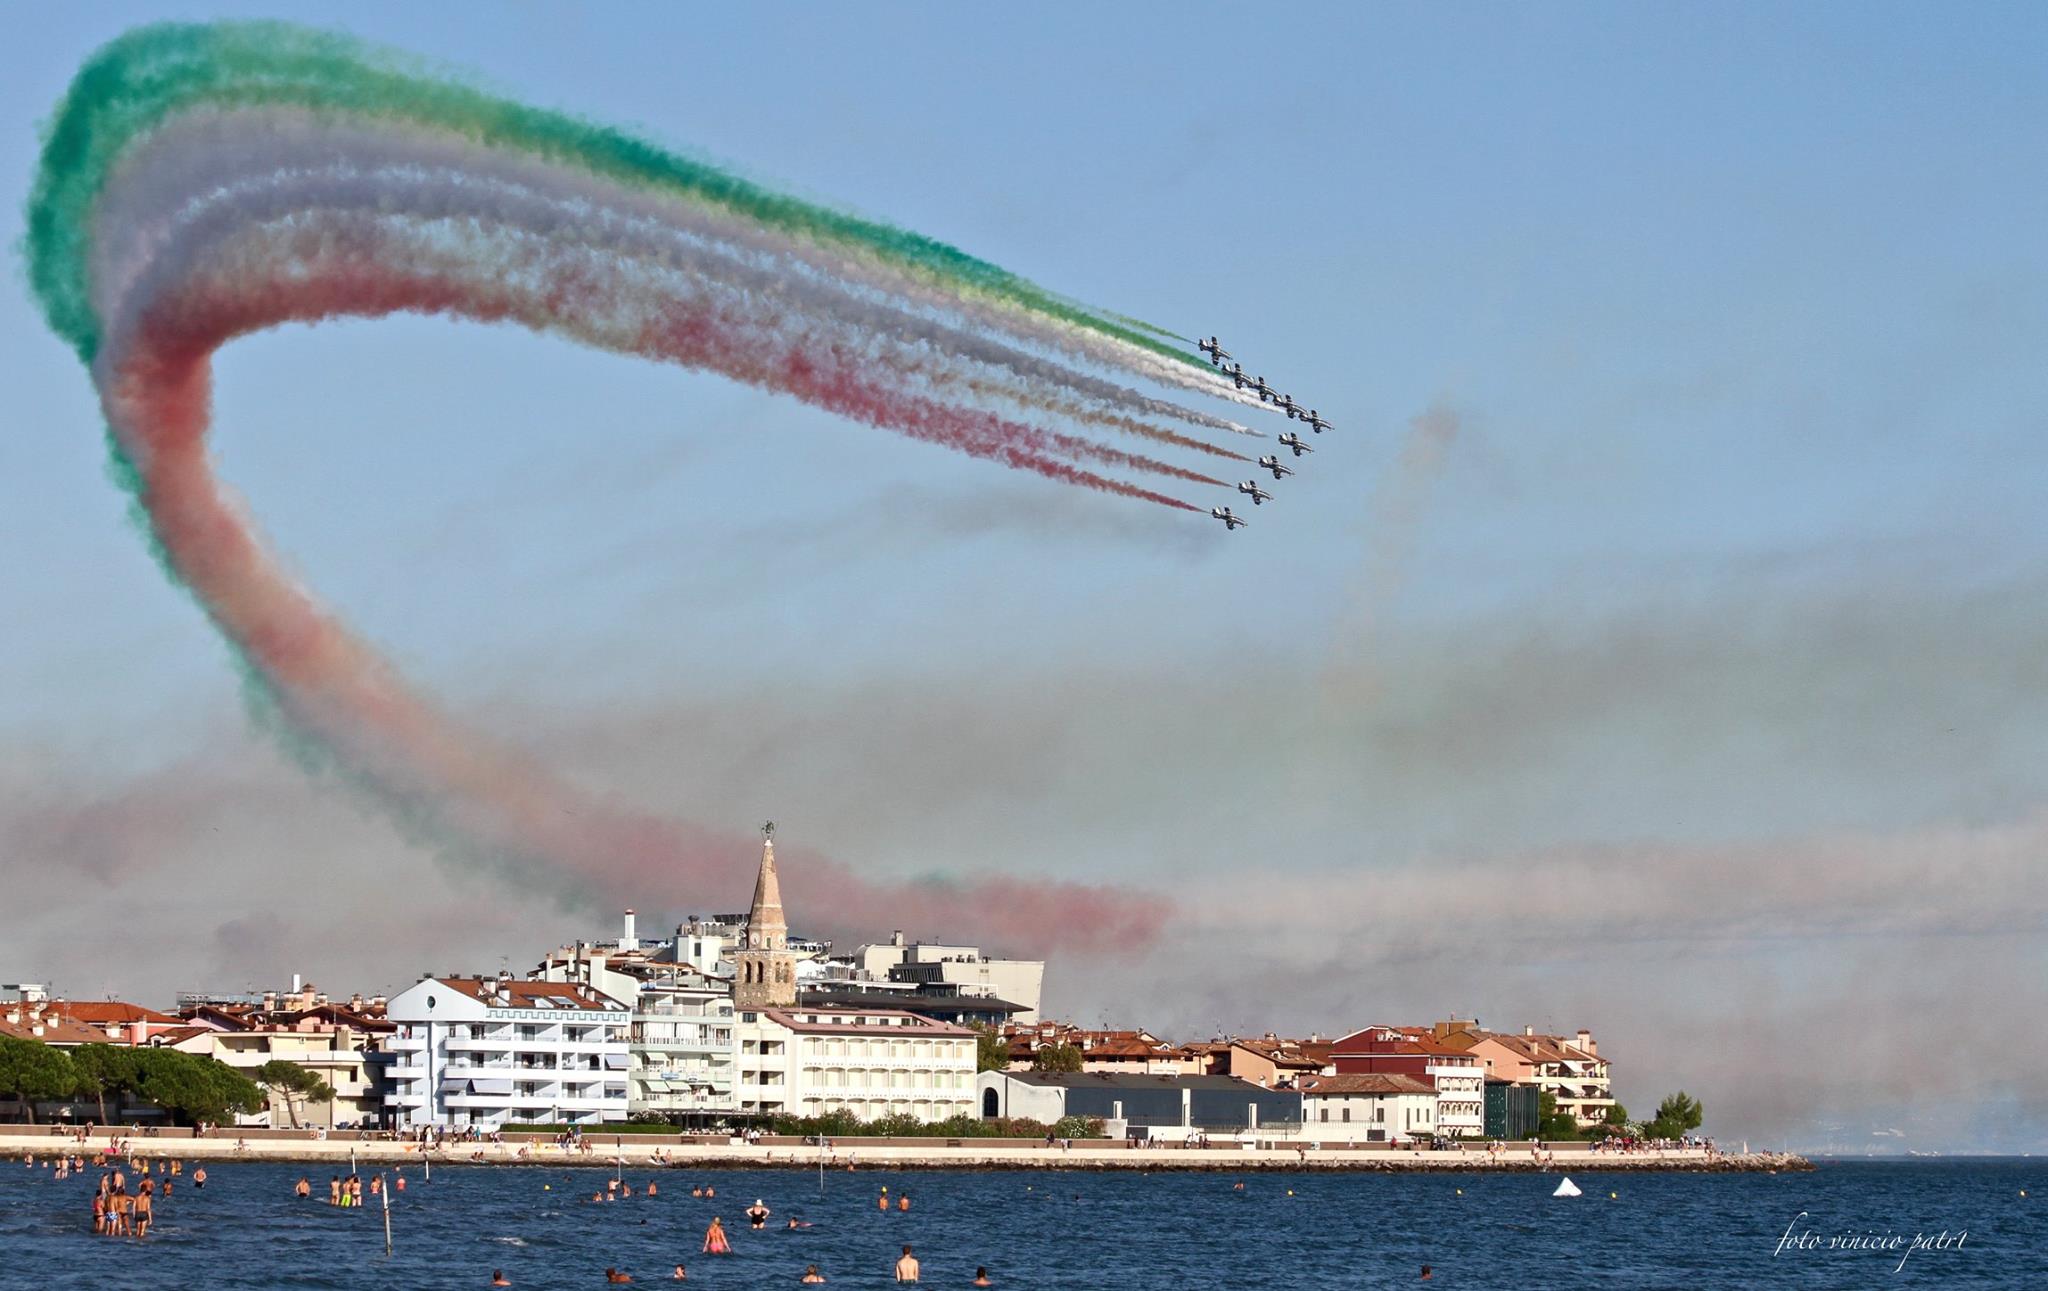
{"points": [[1292, 442]]}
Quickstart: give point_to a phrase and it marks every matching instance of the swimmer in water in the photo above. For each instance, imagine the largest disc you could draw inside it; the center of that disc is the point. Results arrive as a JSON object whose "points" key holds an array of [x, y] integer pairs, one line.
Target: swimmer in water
{"points": [[680, 1275], [811, 1275], [614, 1275], [794, 1222], [757, 1214], [714, 1239], [981, 1277], [907, 1269], [498, 1278]]}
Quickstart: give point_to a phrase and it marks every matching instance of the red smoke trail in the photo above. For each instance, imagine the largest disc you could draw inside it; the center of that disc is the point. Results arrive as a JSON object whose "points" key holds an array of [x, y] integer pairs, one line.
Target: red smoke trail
{"points": [[478, 798]]}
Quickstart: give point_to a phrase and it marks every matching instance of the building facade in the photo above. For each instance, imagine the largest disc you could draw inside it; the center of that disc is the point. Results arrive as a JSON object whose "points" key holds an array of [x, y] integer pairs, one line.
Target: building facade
{"points": [[1369, 1107], [1459, 1077], [494, 1052], [868, 1063]]}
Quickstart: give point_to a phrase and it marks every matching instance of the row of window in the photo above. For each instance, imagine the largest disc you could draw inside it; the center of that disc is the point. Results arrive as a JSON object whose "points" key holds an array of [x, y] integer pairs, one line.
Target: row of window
{"points": [[943, 1050]]}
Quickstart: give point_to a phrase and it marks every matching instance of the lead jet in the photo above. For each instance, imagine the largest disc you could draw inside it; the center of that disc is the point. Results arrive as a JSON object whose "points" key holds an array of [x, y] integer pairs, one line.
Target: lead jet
{"points": [[1229, 521], [1251, 489], [1214, 349], [1293, 441], [1272, 464], [1315, 421], [1287, 404]]}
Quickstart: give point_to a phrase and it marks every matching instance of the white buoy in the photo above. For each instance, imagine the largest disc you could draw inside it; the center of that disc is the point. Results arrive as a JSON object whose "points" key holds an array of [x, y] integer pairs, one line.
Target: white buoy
{"points": [[1566, 1188]]}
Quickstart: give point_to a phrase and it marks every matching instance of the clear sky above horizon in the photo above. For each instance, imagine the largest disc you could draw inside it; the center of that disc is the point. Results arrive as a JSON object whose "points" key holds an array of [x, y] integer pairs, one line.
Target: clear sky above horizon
{"points": [[1691, 690]]}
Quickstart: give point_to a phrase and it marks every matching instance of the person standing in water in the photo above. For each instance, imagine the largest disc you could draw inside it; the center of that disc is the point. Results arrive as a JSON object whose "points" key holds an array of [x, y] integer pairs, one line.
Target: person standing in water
{"points": [[907, 1267], [757, 1214], [714, 1238]]}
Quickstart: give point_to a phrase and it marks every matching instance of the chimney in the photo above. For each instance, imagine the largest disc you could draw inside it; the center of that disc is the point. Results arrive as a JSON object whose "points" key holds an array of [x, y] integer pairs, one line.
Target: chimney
{"points": [[1588, 1043], [627, 941], [1528, 1031], [295, 983], [270, 1001]]}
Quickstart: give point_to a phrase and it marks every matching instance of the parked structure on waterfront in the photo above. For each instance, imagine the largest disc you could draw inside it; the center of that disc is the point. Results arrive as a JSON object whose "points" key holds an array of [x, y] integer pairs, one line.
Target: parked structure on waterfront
{"points": [[1147, 1106]]}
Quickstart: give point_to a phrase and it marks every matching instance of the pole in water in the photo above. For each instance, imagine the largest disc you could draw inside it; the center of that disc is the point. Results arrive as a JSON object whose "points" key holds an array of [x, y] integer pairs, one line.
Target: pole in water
{"points": [[385, 1189]]}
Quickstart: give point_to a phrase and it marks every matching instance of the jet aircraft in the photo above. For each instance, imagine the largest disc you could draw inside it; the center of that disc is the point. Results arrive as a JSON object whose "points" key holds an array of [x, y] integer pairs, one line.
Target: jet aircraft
{"points": [[1236, 373], [1214, 349], [1315, 421], [1287, 404], [1294, 441], [1265, 391], [1251, 489], [1272, 463], [1229, 521]]}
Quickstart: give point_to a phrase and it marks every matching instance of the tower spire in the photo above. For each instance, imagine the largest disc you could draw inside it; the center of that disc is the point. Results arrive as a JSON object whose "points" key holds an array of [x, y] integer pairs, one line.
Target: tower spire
{"points": [[764, 968]]}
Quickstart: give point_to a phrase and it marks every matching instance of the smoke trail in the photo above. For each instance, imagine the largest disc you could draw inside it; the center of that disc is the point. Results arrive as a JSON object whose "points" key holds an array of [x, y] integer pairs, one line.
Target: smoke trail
{"points": [[1394, 520], [203, 182]]}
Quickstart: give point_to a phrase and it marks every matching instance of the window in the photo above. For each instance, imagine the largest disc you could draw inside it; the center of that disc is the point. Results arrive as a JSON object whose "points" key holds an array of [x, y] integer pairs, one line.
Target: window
{"points": [[1347, 1115], [1323, 1114]]}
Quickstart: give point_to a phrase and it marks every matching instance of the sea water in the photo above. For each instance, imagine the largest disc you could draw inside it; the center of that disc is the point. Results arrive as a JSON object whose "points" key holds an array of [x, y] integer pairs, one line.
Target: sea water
{"points": [[1846, 1224]]}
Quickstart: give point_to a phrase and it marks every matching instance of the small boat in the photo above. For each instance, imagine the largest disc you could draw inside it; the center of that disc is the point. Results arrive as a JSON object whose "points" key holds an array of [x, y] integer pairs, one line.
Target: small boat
{"points": [[1566, 1188]]}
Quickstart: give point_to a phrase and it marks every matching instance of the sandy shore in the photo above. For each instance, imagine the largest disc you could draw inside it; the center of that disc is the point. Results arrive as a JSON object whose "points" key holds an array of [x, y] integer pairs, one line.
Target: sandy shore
{"points": [[968, 1155]]}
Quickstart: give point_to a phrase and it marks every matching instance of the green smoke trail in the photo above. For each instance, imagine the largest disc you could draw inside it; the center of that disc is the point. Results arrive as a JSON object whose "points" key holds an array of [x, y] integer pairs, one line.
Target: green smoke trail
{"points": [[147, 74]]}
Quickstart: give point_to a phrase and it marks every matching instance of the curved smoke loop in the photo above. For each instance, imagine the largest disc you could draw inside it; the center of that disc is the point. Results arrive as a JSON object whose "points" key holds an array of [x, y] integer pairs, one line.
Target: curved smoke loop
{"points": [[201, 183]]}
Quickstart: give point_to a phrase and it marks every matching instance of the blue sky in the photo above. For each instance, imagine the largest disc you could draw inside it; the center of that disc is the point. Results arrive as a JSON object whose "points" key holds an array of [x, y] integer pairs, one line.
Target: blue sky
{"points": [[1739, 309]]}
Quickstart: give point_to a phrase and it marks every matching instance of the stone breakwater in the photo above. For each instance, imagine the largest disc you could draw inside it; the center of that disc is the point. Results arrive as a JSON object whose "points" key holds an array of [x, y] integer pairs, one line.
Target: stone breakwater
{"points": [[643, 1152]]}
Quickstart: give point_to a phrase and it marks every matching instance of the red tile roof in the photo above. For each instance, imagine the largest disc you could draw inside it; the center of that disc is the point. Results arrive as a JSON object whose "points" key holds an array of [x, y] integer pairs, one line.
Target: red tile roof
{"points": [[1363, 1083]]}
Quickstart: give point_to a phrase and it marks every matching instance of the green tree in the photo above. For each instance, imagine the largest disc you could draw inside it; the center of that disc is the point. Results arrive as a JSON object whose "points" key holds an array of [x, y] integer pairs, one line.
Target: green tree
{"points": [[193, 1088], [291, 1082], [1551, 1123], [34, 1072], [105, 1069], [1617, 1115], [991, 1050], [1058, 1056], [1677, 1116]]}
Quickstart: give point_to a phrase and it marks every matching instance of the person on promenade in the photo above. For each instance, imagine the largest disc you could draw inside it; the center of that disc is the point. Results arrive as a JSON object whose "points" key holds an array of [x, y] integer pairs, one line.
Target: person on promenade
{"points": [[714, 1238], [811, 1275], [907, 1267], [757, 1214]]}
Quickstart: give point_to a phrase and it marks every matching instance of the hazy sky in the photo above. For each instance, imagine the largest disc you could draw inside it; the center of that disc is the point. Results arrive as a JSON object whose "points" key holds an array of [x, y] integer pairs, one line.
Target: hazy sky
{"points": [[1658, 644]]}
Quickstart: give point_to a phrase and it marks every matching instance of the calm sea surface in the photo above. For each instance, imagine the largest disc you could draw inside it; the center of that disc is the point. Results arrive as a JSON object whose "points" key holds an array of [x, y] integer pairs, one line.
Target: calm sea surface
{"points": [[539, 1225]]}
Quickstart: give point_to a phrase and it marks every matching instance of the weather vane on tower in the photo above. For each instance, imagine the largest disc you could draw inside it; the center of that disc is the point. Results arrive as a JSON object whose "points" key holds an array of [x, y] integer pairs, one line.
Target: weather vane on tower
{"points": [[768, 829]]}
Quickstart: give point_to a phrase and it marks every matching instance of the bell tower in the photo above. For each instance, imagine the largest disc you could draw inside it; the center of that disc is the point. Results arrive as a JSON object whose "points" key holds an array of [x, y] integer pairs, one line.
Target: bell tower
{"points": [[764, 969]]}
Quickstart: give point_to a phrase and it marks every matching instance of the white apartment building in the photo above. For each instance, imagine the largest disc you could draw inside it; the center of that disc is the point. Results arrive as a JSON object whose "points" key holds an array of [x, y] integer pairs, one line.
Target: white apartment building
{"points": [[1460, 1095], [868, 1062], [682, 1046], [496, 1052]]}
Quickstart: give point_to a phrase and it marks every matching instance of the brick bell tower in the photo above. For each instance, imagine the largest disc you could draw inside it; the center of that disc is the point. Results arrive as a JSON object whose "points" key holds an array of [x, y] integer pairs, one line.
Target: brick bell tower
{"points": [[764, 969]]}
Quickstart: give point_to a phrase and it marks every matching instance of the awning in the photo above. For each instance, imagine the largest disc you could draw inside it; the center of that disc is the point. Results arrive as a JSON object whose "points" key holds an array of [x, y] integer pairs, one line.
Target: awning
{"points": [[615, 1061], [502, 1088], [454, 1085]]}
